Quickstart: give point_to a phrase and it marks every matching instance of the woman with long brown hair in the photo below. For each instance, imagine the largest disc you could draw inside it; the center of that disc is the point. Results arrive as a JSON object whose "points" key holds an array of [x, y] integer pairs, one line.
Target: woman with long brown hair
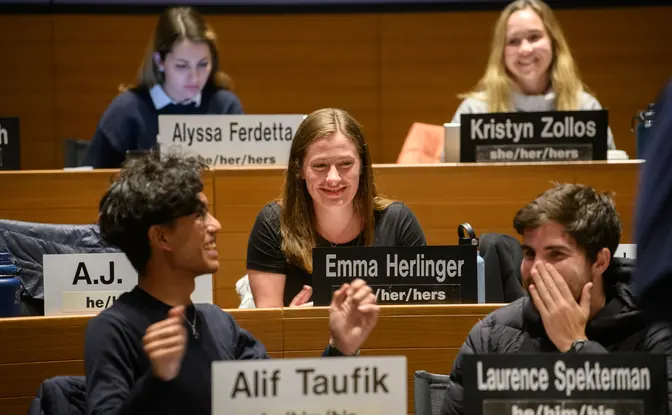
{"points": [[179, 74], [328, 199]]}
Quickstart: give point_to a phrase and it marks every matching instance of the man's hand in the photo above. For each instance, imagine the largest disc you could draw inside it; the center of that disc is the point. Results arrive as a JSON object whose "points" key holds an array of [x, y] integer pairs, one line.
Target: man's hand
{"points": [[353, 313], [165, 343], [564, 319]]}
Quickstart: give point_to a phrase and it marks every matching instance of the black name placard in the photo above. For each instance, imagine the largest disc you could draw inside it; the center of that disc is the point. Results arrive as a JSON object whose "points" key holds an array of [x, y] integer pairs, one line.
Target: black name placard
{"points": [[558, 384], [10, 144], [534, 136], [399, 275]]}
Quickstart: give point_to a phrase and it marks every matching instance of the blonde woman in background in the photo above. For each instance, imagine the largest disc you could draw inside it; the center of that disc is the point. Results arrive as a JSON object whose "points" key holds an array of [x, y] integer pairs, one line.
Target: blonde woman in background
{"points": [[530, 68]]}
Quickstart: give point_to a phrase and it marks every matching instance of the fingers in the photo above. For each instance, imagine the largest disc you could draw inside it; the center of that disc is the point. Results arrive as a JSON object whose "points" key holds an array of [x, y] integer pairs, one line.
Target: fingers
{"points": [[175, 329], [538, 302], [302, 297], [357, 284], [362, 293], [369, 308], [340, 295], [560, 285], [540, 288], [177, 311], [158, 346], [548, 283], [168, 332], [586, 296], [166, 353]]}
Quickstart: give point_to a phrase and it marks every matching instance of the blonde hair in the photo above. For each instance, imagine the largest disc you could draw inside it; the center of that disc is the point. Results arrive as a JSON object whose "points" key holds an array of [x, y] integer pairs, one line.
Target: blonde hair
{"points": [[175, 25], [297, 215], [495, 87]]}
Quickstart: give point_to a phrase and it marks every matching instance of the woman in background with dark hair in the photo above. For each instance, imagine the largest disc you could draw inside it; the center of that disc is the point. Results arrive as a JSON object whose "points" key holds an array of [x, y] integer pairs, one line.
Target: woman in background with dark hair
{"points": [[328, 199], [179, 74]]}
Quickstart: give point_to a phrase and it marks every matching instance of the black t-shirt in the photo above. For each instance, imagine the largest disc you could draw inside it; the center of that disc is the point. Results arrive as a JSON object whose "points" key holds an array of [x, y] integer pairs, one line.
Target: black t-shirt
{"points": [[394, 226]]}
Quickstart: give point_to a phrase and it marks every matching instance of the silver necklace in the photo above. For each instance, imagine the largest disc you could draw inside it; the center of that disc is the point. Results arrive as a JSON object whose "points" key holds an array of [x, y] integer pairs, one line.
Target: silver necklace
{"points": [[192, 325], [334, 245]]}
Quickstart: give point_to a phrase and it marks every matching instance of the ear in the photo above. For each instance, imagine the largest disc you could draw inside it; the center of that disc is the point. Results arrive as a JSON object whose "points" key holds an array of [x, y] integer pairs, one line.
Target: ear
{"points": [[158, 61], [602, 261], [158, 238]]}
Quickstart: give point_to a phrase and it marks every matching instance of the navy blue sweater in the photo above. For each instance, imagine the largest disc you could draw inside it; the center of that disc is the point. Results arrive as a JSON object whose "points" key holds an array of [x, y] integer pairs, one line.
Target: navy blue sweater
{"points": [[653, 229], [118, 372], [131, 122]]}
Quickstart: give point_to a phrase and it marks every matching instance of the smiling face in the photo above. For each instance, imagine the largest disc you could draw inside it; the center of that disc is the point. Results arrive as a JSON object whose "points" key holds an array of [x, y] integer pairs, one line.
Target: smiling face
{"points": [[190, 242], [528, 52], [550, 243], [186, 69], [331, 169]]}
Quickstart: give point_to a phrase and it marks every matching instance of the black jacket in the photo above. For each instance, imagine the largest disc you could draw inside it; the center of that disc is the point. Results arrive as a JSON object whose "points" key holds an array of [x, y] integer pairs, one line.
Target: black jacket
{"points": [[60, 395], [653, 228], [29, 241], [517, 328]]}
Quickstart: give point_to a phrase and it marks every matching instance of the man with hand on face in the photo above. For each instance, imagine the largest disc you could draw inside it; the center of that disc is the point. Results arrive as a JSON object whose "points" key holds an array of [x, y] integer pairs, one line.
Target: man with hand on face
{"points": [[580, 300], [151, 352]]}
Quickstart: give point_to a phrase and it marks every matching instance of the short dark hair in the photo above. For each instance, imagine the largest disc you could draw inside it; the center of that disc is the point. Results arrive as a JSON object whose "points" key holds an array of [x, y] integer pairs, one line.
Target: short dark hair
{"points": [[151, 190], [589, 217]]}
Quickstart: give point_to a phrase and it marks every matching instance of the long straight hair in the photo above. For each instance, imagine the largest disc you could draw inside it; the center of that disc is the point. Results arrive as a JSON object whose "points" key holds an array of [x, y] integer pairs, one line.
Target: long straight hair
{"points": [[175, 25], [297, 214], [495, 87]]}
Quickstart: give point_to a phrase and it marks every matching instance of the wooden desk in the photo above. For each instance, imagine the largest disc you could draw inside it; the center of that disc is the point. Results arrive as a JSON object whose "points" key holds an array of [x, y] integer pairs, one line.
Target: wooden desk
{"points": [[35, 349], [441, 196], [429, 336], [57, 196]]}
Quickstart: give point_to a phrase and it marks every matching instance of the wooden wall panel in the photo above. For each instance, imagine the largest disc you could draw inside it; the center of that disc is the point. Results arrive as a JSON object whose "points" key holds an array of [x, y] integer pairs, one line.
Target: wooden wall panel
{"points": [[619, 51], [441, 197], [93, 55], [26, 85], [424, 66], [42, 347], [15, 406], [300, 63], [428, 336], [37, 348], [388, 69]]}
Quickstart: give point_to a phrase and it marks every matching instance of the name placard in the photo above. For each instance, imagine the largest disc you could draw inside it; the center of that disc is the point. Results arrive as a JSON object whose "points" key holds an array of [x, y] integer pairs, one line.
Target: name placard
{"points": [[626, 251], [320, 386], [534, 136], [558, 384], [399, 275], [231, 140], [10, 144], [89, 283]]}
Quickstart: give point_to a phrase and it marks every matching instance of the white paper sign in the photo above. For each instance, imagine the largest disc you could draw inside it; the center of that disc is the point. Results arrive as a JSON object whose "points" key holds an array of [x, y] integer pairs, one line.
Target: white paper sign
{"points": [[231, 140], [89, 283], [626, 251], [319, 386]]}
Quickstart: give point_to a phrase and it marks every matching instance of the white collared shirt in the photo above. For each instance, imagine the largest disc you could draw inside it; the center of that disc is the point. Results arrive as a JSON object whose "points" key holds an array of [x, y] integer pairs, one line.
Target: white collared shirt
{"points": [[161, 99]]}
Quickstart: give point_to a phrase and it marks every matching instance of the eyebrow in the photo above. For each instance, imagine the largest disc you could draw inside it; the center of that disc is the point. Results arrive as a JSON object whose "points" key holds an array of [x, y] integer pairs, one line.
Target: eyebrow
{"points": [[525, 32], [181, 60], [547, 248]]}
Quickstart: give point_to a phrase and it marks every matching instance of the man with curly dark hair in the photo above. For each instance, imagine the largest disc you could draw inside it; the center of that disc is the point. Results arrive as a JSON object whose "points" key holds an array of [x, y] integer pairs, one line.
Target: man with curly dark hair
{"points": [[151, 352]]}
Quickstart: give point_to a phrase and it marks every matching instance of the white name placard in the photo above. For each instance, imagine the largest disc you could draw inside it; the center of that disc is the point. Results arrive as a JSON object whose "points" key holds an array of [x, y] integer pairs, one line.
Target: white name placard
{"points": [[231, 140], [89, 283], [626, 251], [319, 386]]}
